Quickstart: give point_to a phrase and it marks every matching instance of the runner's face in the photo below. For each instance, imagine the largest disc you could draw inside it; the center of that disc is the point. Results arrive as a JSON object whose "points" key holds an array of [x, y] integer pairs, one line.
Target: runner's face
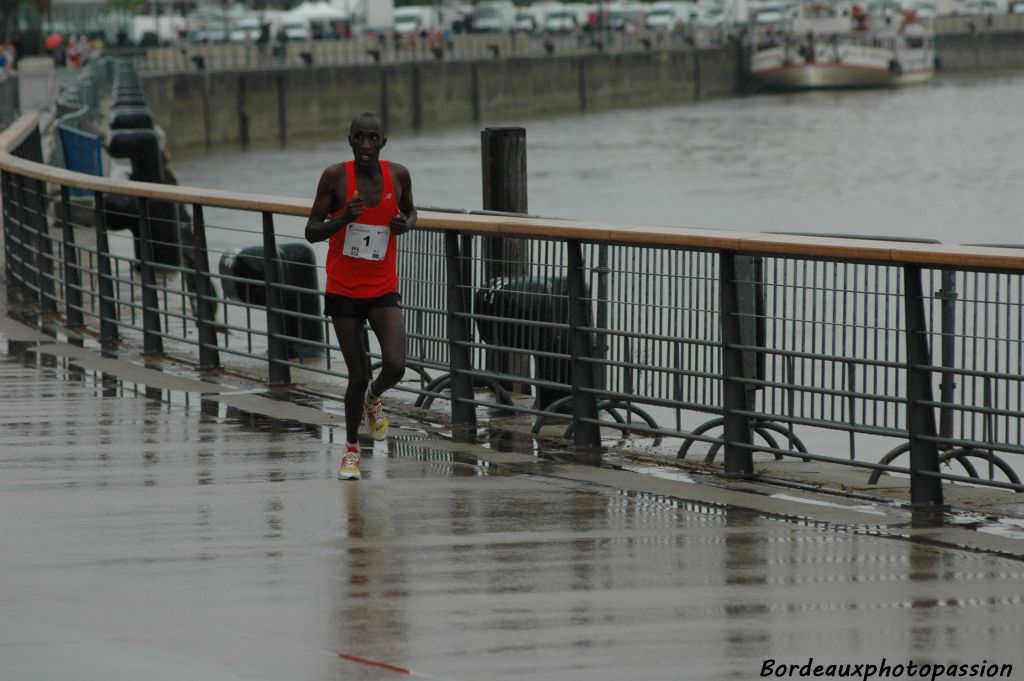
{"points": [[366, 140]]}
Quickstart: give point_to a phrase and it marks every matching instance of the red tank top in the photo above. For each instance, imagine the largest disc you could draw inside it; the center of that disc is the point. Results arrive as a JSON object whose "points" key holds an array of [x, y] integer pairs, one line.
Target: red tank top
{"points": [[359, 277]]}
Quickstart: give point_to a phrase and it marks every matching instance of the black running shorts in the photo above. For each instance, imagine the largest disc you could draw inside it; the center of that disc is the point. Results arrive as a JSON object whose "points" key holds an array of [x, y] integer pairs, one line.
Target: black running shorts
{"points": [[357, 308]]}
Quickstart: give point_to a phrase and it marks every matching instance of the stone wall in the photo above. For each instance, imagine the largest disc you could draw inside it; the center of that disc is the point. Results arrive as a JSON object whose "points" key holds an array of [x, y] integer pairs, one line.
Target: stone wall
{"points": [[236, 109], [980, 51]]}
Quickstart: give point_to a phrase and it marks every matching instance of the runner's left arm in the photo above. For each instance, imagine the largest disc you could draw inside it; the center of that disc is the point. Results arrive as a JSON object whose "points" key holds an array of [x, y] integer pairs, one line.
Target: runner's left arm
{"points": [[406, 218]]}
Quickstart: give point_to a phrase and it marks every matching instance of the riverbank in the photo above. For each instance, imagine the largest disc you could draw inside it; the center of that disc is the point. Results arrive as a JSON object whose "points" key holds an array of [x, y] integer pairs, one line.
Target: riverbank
{"points": [[276, 106]]}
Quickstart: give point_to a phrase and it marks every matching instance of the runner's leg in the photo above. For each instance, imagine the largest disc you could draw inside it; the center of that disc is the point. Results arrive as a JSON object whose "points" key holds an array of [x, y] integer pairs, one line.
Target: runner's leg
{"points": [[389, 326], [357, 361]]}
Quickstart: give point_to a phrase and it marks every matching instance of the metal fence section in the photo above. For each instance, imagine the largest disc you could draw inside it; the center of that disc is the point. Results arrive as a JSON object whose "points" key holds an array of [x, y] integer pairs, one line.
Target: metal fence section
{"points": [[889, 357], [364, 50]]}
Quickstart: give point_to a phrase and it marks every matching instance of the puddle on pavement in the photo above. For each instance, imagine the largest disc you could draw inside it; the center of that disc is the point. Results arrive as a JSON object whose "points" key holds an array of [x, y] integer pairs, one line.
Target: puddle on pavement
{"points": [[1011, 528]]}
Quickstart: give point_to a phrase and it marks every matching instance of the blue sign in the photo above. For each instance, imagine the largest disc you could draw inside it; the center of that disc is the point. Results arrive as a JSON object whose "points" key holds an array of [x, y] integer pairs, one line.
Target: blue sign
{"points": [[83, 153]]}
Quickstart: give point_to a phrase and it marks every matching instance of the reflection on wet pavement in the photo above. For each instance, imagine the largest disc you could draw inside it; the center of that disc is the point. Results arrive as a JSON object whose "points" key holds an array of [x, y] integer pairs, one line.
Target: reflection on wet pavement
{"points": [[148, 538]]}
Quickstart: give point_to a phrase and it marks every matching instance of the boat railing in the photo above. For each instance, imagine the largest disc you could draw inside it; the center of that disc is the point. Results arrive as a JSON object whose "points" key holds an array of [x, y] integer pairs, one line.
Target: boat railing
{"points": [[742, 350]]}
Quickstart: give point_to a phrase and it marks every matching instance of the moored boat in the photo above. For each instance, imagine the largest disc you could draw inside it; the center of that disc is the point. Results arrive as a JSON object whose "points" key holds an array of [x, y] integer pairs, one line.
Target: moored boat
{"points": [[824, 45]]}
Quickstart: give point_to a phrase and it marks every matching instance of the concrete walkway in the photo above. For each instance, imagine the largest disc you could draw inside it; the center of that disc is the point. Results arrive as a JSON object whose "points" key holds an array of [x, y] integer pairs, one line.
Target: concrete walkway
{"points": [[161, 524], [157, 525]]}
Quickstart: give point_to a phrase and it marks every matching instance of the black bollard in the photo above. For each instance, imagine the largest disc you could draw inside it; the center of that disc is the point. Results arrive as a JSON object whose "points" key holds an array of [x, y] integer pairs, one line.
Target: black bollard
{"points": [[530, 299], [167, 224], [299, 270], [128, 117]]}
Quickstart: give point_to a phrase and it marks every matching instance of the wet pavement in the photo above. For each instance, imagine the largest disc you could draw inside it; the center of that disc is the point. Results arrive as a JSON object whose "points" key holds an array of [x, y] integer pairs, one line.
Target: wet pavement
{"points": [[169, 533], [155, 524]]}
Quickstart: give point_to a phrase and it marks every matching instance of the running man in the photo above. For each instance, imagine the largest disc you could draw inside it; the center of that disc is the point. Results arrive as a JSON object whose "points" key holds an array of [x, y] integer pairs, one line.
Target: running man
{"points": [[361, 206]]}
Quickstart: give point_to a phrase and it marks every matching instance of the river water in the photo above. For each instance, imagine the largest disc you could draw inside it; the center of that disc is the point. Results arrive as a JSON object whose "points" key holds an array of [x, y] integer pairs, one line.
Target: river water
{"points": [[940, 161]]}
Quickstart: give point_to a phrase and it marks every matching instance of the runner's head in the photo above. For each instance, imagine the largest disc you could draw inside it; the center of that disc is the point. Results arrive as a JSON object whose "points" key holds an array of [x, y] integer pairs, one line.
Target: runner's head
{"points": [[367, 136]]}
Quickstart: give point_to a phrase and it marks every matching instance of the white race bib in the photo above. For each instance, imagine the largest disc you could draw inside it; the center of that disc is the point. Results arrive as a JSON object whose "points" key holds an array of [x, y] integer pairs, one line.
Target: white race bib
{"points": [[369, 242]]}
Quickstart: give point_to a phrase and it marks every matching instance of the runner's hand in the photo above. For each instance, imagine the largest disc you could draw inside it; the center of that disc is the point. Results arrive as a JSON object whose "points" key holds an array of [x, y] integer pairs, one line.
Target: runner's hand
{"points": [[353, 208], [399, 225]]}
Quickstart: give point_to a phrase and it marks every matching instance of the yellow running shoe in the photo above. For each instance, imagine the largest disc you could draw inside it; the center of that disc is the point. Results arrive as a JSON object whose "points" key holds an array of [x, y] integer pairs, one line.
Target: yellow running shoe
{"points": [[349, 468], [376, 422]]}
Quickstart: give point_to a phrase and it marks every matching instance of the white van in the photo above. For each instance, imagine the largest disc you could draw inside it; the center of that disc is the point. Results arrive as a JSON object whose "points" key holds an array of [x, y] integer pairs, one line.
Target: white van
{"points": [[493, 16], [532, 18], [246, 29], [568, 18], [294, 29], [664, 16], [411, 21]]}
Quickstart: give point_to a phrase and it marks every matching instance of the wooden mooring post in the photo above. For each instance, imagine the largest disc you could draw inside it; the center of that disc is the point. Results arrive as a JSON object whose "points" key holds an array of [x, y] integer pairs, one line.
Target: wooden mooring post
{"points": [[503, 160]]}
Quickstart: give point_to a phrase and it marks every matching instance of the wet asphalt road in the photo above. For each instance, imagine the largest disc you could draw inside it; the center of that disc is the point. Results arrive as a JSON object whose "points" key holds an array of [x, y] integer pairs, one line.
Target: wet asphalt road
{"points": [[143, 539]]}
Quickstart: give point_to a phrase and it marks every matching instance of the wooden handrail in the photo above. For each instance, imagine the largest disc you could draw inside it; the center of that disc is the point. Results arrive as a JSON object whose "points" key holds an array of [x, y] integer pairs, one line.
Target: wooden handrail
{"points": [[933, 255]]}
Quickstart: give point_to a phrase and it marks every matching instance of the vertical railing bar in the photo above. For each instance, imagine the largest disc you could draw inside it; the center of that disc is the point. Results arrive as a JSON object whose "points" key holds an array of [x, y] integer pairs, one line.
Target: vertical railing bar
{"points": [[22, 239], [947, 383], [976, 305], [736, 435], [277, 346], [812, 297], [602, 312], [876, 290], [460, 361], [888, 342], [6, 184], [72, 275], [925, 486], [851, 380], [778, 339], [586, 432], [108, 305], [152, 342], [206, 308], [44, 251], [1020, 353], [963, 358], [836, 365], [989, 429]]}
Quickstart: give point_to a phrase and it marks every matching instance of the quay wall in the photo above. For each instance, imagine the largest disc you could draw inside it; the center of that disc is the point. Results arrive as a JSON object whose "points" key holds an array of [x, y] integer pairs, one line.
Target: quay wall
{"points": [[218, 109], [211, 110], [980, 43], [989, 51]]}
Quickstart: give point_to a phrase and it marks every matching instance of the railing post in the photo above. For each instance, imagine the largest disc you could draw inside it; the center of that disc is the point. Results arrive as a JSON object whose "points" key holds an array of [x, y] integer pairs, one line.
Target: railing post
{"points": [[152, 341], [6, 188], [463, 409], [277, 346], [206, 310], [736, 435], [947, 383], [21, 250], [44, 248], [586, 431], [108, 306], [925, 485], [72, 276]]}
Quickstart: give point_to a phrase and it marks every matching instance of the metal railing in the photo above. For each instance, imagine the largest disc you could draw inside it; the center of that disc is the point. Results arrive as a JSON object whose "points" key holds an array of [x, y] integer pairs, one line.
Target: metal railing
{"points": [[892, 357], [364, 50]]}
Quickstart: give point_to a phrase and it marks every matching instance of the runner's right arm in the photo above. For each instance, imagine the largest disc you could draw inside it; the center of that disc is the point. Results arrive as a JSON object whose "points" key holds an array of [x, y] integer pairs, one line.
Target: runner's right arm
{"points": [[320, 226]]}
